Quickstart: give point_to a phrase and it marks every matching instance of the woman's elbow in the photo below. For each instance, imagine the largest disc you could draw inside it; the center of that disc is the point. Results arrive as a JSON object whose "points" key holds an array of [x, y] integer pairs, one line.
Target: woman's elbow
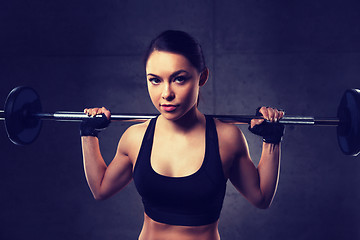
{"points": [[263, 203], [100, 196], [263, 206]]}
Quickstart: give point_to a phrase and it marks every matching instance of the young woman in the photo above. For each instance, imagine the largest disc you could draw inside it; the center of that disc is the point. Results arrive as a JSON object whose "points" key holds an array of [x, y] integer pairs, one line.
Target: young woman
{"points": [[181, 160]]}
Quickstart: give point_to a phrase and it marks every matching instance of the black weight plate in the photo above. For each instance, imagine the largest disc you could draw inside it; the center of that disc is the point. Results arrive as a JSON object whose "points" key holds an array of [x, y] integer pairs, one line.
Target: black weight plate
{"points": [[348, 131], [21, 127]]}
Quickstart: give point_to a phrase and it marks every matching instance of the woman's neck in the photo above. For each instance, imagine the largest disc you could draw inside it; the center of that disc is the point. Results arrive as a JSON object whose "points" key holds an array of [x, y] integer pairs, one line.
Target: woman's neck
{"points": [[186, 123]]}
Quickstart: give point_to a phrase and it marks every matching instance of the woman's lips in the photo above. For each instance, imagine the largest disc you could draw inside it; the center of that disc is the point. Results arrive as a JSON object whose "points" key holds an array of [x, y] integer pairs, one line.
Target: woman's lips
{"points": [[169, 108]]}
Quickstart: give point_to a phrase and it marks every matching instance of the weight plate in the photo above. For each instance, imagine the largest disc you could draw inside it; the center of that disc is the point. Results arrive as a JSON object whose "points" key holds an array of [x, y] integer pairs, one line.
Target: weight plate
{"points": [[21, 127], [348, 131]]}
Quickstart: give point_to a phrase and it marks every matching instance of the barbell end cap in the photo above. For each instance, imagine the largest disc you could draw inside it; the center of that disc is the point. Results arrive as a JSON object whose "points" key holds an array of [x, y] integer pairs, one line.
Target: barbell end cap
{"points": [[348, 131]]}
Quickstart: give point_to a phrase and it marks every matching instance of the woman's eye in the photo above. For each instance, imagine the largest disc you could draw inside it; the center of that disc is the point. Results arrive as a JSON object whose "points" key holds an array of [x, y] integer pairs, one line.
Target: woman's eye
{"points": [[154, 80], [180, 79]]}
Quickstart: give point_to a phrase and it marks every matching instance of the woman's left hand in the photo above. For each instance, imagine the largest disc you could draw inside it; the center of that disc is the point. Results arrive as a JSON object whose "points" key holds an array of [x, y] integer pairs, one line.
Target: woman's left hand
{"points": [[268, 113], [271, 132]]}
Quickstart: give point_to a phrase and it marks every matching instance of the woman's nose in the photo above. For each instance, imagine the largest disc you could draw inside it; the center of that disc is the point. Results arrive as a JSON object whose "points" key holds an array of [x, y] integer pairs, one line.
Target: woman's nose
{"points": [[167, 93]]}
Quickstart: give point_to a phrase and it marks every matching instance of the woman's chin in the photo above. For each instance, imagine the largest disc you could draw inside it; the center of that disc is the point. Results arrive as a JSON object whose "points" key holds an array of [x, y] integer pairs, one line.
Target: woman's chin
{"points": [[171, 116]]}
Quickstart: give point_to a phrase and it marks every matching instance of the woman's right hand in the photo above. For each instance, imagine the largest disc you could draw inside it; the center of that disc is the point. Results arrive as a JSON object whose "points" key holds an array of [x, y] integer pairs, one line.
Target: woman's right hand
{"points": [[104, 181], [93, 125], [97, 111]]}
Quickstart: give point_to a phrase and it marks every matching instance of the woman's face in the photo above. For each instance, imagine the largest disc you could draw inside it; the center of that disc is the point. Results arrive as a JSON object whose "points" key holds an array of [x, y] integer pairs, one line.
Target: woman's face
{"points": [[173, 84]]}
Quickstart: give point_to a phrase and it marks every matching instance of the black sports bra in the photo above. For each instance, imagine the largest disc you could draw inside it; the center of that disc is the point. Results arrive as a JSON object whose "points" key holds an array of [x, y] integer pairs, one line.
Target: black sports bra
{"points": [[192, 200]]}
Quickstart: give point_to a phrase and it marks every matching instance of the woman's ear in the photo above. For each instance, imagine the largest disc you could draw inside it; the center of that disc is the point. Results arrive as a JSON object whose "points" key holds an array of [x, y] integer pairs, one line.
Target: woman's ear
{"points": [[204, 77]]}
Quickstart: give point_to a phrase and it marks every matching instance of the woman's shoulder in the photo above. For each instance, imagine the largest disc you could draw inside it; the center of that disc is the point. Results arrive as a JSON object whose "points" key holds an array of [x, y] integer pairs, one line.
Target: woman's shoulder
{"points": [[227, 130], [136, 131], [230, 135], [232, 144], [130, 141]]}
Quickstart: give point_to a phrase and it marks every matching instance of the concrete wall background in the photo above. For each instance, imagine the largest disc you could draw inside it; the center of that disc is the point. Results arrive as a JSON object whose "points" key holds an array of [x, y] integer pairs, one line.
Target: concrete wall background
{"points": [[296, 55]]}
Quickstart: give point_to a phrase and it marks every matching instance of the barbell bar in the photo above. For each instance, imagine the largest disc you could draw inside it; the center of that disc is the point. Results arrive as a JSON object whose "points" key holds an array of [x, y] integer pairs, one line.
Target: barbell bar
{"points": [[23, 118]]}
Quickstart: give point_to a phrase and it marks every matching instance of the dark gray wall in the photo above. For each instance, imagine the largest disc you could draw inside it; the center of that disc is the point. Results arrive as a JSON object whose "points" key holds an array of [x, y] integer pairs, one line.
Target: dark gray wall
{"points": [[296, 55]]}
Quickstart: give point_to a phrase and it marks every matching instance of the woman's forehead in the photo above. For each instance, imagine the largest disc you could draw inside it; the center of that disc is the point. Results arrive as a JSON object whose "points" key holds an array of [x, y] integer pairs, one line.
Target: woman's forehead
{"points": [[162, 62]]}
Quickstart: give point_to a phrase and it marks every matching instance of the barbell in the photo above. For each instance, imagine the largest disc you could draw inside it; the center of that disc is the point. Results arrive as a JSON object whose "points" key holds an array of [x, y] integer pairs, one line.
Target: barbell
{"points": [[23, 118]]}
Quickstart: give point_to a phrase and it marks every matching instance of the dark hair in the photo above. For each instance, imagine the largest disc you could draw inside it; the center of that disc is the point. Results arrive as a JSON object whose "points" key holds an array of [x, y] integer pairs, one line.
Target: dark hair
{"points": [[181, 43]]}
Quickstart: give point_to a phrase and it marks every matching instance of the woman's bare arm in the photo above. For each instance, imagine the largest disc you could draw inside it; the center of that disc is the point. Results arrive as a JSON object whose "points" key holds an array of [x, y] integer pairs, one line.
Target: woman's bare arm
{"points": [[104, 181], [257, 184]]}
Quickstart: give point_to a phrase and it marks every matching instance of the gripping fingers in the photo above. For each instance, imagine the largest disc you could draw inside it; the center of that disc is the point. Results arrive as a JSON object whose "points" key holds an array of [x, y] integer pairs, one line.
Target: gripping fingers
{"points": [[106, 112], [271, 114], [97, 111], [264, 112], [276, 115], [282, 113], [91, 111]]}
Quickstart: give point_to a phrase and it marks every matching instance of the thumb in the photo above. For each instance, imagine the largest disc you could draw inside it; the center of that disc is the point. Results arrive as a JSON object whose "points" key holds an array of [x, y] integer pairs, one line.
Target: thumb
{"points": [[256, 122]]}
